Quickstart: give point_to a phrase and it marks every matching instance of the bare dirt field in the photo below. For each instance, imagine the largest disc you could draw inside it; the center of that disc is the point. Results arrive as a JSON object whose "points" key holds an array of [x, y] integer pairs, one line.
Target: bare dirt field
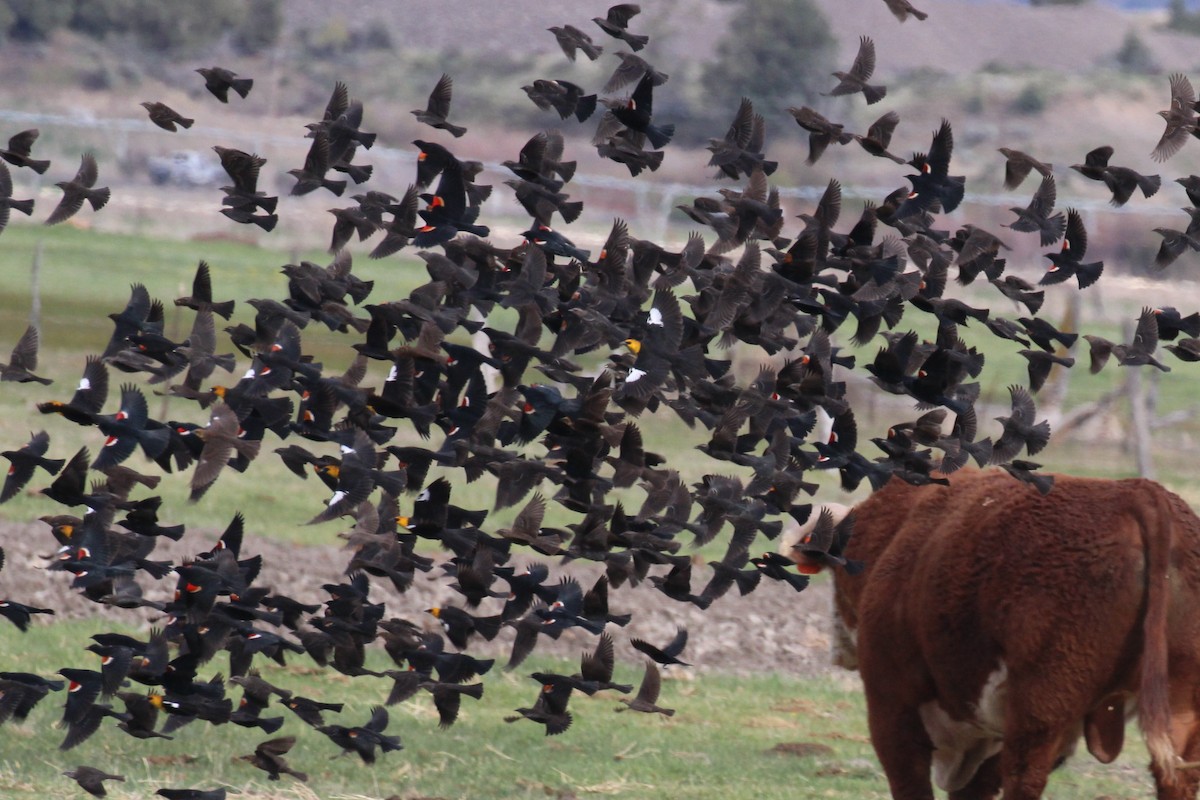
{"points": [[773, 629]]}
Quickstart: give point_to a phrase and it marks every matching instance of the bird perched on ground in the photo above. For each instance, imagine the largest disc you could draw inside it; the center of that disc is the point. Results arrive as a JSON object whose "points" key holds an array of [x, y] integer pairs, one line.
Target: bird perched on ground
{"points": [[1180, 118], [75, 191], [437, 109], [860, 72], [166, 117], [219, 81]]}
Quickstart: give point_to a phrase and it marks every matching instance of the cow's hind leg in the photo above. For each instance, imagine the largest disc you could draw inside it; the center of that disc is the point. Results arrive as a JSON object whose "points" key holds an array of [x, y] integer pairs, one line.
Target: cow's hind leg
{"points": [[1185, 739], [1026, 761], [903, 747], [985, 785]]}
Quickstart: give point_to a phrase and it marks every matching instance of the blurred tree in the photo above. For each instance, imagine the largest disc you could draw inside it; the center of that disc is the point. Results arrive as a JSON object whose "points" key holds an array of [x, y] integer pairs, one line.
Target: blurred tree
{"points": [[1183, 20], [261, 26], [33, 20], [1135, 56], [776, 52]]}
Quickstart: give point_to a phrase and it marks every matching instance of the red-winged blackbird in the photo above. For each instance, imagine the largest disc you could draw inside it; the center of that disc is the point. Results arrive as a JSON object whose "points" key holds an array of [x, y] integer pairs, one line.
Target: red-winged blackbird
{"points": [[364, 739], [571, 39], [7, 203]]}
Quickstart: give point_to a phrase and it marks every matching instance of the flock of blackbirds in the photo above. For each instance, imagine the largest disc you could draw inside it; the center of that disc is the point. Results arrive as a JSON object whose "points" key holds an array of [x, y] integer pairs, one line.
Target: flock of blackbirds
{"points": [[549, 430]]}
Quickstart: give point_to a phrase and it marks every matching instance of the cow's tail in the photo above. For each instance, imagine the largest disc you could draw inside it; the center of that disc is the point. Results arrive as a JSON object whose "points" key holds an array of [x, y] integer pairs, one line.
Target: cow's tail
{"points": [[1154, 707]]}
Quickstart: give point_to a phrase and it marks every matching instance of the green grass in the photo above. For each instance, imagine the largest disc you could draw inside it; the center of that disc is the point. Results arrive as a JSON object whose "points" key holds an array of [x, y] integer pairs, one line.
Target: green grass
{"points": [[722, 742]]}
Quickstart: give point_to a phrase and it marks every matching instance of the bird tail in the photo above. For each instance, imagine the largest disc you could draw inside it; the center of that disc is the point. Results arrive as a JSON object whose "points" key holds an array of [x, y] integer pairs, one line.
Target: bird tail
{"points": [[1149, 184], [365, 139], [242, 86], [585, 107], [98, 198], [660, 135], [184, 122], [24, 206], [874, 93]]}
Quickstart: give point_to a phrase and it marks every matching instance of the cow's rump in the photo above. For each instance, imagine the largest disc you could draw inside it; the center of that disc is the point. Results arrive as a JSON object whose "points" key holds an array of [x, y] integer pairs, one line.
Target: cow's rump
{"points": [[996, 625]]}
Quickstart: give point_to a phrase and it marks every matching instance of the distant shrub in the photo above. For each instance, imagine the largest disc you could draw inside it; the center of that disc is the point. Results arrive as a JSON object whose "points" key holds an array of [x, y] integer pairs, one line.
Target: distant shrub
{"points": [[1030, 101]]}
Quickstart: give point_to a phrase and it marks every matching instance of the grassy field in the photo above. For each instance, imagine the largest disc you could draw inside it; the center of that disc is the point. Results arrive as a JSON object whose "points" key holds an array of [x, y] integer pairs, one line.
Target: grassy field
{"points": [[731, 737]]}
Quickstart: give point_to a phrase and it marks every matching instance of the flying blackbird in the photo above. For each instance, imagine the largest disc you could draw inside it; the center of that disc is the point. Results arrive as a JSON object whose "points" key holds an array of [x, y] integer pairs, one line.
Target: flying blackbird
{"points": [[316, 164], [1175, 242], [269, 757], [902, 9], [129, 427], [635, 113], [668, 653], [24, 360], [1121, 181], [91, 780], [364, 739], [201, 297], [571, 39], [78, 189], [166, 117], [437, 109], [597, 666], [224, 440], [933, 186], [1039, 217], [550, 709], [219, 81], [1018, 165], [1180, 118], [616, 24], [19, 150], [192, 794], [1137, 353], [568, 99], [447, 699], [243, 168], [7, 203], [1020, 430], [1068, 261], [646, 699], [821, 132], [879, 137], [1040, 364], [24, 461], [632, 68], [1025, 471], [860, 72], [823, 546]]}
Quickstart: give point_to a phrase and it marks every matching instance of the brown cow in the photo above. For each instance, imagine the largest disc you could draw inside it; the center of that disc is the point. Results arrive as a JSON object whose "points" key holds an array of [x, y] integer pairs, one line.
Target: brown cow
{"points": [[996, 626]]}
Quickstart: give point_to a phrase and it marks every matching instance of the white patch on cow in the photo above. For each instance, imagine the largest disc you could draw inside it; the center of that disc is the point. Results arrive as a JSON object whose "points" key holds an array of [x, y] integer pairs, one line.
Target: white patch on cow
{"points": [[961, 746]]}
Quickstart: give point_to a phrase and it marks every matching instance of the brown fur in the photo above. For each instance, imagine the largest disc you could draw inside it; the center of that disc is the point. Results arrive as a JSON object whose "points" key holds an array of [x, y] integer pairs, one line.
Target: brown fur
{"points": [[1089, 597]]}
